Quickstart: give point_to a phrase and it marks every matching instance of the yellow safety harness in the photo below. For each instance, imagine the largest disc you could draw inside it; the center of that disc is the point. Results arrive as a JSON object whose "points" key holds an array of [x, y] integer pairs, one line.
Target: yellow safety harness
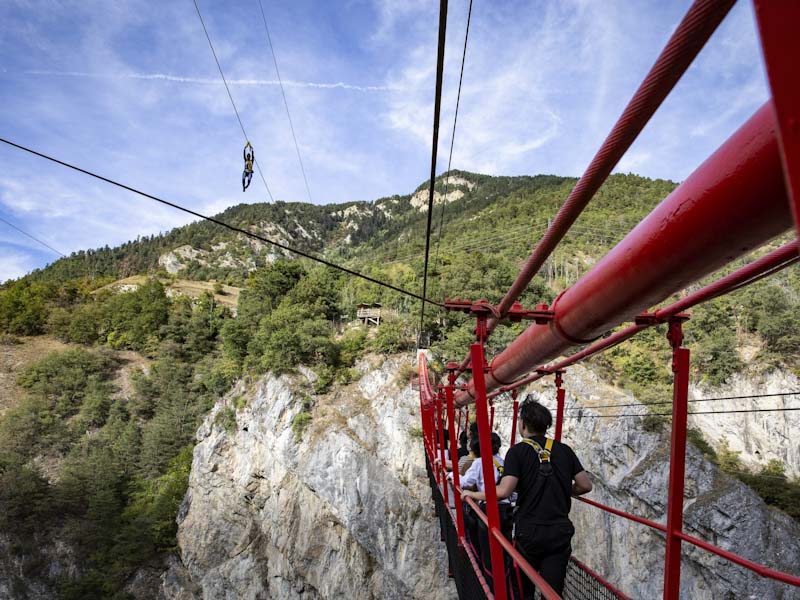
{"points": [[498, 466], [545, 468]]}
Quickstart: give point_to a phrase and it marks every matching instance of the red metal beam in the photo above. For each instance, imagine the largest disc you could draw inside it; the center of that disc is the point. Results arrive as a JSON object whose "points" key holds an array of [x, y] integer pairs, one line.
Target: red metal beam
{"points": [[619, 513], [487, 464], [763, 267], [748, 564], [702, 19], [777, 23], [734, 202], [677, 462]]}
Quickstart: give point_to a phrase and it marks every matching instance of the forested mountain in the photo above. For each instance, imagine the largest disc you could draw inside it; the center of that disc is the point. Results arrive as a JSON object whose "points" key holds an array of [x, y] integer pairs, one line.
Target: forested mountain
{"points": [[99, 461]]}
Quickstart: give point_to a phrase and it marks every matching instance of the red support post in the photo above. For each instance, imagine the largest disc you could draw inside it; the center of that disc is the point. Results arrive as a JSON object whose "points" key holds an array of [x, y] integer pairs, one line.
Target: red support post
{"points": [[560, 393], [441, 472], [485, 437], [677, 461], [448, 393], [514, 394], [491, 414]]}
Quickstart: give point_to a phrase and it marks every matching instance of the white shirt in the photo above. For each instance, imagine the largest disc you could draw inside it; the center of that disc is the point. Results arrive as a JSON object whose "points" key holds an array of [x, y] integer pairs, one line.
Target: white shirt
{"points": [[474, 475]]}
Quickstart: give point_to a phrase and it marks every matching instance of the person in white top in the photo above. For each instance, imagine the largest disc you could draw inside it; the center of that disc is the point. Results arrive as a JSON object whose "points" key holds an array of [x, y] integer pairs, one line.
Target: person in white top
{"points": [[473, 479]]}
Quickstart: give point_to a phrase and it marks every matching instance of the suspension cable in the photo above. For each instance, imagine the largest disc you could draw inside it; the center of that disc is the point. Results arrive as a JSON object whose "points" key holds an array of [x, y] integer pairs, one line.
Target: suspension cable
{"points": [[702, 412], [226, 225], [437, 105], [285, 103], [629, 404], [453, 136], [230, 96], [34, 238]]}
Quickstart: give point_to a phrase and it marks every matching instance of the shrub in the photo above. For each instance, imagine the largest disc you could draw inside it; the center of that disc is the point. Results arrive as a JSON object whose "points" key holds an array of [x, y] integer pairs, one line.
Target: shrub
{"points": [[226, 418], [392, 336], [299, 423]]}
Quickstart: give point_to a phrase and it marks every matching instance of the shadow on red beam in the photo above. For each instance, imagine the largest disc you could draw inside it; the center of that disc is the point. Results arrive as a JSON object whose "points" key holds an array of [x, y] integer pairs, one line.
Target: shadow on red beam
{"points": [[748, 564]]}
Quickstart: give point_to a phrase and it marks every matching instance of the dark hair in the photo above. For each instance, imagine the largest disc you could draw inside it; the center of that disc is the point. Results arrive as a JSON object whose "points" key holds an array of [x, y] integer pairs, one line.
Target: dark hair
{"points": [[496, 443], [462, 439], [475, 446], [473, 429], [537, 418]]}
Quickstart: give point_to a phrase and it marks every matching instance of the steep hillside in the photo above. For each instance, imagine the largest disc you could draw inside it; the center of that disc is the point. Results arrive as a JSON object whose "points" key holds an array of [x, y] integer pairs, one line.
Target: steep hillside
{"points": [[94, 465]]}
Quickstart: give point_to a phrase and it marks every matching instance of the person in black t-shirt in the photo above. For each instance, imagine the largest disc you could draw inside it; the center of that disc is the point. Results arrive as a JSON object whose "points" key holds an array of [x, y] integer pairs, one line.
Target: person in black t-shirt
{"points": [[545, 474]]}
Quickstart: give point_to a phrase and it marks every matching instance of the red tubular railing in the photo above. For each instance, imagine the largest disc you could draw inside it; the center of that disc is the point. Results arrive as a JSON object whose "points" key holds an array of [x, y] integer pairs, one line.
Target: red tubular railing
{"points": [[748, 564], [767, 265], [692, 33], [739, 189]]}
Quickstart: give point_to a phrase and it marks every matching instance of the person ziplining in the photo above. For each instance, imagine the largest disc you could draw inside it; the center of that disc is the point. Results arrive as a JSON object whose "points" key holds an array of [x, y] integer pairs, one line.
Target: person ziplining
{"points": [[249, 158]]}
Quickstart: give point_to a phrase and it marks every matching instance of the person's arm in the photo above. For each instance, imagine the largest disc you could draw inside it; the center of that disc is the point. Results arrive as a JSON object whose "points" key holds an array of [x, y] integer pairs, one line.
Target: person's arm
{"points": [[504, 490], [582, 484]]}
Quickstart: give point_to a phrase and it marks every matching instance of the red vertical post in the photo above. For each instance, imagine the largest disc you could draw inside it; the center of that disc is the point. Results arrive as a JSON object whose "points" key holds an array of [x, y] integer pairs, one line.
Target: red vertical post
{"points": [[487, 464], [513, 441], [441, 473], [491, 414], [448, 394], [559, 405], [677, 460]]}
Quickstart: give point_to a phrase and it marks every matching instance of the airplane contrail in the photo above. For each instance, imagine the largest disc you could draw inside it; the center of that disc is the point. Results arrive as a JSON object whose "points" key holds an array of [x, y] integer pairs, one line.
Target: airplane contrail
{"points": [[206, 81]]}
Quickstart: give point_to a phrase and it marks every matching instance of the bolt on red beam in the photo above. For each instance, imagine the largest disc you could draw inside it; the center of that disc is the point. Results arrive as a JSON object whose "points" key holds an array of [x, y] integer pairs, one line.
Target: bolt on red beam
{"points": [[702, 19], [734, 202]]}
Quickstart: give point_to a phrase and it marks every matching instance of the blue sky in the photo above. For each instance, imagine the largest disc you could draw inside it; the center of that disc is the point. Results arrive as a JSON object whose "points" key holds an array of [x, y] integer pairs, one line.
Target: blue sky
{"points": [[129, 89]]}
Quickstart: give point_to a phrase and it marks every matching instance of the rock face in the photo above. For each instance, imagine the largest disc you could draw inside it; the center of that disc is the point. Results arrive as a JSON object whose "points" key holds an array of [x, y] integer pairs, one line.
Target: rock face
{"points": [[757, 436], [630, 470], [342, 511]]}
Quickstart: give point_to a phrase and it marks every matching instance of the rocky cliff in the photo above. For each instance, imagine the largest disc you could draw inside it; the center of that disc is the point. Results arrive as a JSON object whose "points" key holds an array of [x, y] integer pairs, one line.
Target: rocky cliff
{"points": [[337, 509], [343, 509]]}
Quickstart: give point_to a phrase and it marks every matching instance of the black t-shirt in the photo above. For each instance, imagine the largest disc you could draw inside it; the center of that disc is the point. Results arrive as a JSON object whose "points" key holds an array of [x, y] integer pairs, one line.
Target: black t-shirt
{"points": [[555, 496]]}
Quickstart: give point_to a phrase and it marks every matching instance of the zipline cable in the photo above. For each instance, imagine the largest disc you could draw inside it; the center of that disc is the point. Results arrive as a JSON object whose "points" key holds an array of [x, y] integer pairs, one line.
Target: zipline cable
{"points": [[453, 135], [226, 225], [34, 238], [227, 89], [781, 394], [285, 103], [437, 106]]}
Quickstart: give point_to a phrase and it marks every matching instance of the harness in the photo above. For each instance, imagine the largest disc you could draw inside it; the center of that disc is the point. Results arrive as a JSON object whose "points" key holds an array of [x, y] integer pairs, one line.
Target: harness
{"points": [[498, 466], [544, 454], [544, 471]]}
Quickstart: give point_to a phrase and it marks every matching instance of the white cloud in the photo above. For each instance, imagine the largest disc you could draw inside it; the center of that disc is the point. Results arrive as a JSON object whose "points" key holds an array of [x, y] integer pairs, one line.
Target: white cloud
{"points": [[15, 264], [340, 85]]}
